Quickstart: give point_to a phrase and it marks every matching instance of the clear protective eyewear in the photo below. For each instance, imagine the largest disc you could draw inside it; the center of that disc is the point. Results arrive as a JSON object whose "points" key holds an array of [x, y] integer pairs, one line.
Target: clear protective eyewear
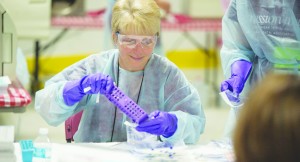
{"points": [[131, 41]]}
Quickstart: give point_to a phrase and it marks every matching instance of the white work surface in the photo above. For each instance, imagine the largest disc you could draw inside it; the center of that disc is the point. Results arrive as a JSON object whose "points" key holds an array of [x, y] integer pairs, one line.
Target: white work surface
{"points": [[214, 151]]}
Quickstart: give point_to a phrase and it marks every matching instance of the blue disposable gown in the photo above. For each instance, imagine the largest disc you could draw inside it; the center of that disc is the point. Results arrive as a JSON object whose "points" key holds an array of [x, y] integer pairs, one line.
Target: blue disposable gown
{"points": [[264, 32], [165, 88]]}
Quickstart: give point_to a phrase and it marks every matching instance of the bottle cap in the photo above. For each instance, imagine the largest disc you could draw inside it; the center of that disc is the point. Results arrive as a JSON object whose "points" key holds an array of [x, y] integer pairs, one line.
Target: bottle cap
{"points": [[43, 131]]}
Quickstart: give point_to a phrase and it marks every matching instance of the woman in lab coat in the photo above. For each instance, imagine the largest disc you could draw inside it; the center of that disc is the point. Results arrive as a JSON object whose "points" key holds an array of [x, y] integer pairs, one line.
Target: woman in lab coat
{"points": [[152, 81], [259, 36]]}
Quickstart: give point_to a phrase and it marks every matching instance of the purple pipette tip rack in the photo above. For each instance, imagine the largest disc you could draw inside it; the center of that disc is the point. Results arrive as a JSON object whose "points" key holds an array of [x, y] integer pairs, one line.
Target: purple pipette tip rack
{"points": [[127, 105]]}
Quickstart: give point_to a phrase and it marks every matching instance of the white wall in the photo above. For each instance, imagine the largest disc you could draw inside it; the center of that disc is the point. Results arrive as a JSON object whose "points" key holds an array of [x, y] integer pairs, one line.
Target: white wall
{"points": [[86, 40], [205, 8]]}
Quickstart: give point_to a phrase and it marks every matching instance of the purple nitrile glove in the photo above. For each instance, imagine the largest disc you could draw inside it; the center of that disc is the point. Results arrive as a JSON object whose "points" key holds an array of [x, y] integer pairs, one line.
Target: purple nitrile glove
{"points": [[159, 123], [240, 71], [90, 84]]}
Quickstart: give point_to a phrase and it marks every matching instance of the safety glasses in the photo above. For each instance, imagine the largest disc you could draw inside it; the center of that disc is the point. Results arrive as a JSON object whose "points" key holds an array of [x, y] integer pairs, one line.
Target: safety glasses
{"points": [[131, 41]]}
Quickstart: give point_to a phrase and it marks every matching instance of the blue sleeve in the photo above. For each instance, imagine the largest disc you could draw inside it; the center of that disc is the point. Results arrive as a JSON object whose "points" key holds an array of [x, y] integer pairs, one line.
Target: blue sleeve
{"points": [[49, 102], [183, 100], [50, 105], [235, 44]]}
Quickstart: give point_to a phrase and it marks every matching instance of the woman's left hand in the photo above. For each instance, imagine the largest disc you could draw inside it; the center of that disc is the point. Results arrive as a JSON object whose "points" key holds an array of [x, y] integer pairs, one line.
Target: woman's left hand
{"points": [[159, 123]]}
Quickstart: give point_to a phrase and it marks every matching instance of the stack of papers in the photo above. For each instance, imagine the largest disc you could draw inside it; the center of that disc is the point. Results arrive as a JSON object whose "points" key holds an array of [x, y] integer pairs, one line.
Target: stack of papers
{"points": [[4, 82], [7, 144], [7, 152]]}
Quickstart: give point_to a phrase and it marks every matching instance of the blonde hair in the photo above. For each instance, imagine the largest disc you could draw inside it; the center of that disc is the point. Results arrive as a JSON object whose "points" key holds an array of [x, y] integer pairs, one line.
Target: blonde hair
{"points": [[268, 126], [138, 16]]}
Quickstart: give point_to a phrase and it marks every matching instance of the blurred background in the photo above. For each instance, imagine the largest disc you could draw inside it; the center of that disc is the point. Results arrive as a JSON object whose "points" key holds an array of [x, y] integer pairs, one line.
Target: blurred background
{"points": [[48, 35]]}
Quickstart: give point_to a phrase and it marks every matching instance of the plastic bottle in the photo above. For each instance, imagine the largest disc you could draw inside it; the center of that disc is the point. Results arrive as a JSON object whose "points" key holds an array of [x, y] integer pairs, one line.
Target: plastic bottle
{"points": [[42, 147]]}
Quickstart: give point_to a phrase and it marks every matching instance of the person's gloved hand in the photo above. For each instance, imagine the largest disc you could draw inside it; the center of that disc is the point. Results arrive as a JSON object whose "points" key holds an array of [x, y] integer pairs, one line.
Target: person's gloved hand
{"points": [[159, 123], [240, 71], [90, 84]]}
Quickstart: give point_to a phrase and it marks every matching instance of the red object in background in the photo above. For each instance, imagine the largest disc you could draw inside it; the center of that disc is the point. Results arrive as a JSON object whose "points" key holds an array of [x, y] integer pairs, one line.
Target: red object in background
{"points": [[178, 22], [15, 97], [71, 126], [96, 13], [181, 18]]}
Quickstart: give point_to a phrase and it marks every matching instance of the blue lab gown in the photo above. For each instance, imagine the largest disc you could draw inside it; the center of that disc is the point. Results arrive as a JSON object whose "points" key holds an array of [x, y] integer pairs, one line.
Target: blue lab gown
{"points": [[165, 88], [264, 32]]}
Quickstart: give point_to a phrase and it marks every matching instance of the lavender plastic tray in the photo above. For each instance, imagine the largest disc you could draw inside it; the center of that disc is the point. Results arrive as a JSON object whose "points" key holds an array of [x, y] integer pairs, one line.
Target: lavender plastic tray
{"points": [[127, 105]]}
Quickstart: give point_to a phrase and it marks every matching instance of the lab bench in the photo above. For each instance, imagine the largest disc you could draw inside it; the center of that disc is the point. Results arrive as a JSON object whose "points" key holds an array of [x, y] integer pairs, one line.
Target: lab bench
{"points": [[218, 150]]}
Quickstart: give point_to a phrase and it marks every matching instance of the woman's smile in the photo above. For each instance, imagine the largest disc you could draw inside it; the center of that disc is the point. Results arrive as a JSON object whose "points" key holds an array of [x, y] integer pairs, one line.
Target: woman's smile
{"points": [[137, 58]]}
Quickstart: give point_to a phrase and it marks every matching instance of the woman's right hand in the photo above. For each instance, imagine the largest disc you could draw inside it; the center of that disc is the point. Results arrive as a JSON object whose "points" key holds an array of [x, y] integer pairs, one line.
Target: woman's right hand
{"points": [[240, 70], [91, 84]]}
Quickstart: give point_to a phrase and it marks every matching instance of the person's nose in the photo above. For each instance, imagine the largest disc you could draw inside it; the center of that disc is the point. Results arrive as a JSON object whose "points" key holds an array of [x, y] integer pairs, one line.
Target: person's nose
{"points": [[139, 47], [139, 44]]}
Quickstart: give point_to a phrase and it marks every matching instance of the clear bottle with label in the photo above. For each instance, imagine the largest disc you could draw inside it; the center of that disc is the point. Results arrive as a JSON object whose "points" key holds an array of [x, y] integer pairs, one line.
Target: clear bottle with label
{"points": [[42, 147]]}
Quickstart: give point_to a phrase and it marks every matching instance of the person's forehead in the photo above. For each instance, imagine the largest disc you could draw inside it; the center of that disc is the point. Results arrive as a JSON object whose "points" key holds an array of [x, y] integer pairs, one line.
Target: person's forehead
{"points": [[136, 30], [135, 33]]}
